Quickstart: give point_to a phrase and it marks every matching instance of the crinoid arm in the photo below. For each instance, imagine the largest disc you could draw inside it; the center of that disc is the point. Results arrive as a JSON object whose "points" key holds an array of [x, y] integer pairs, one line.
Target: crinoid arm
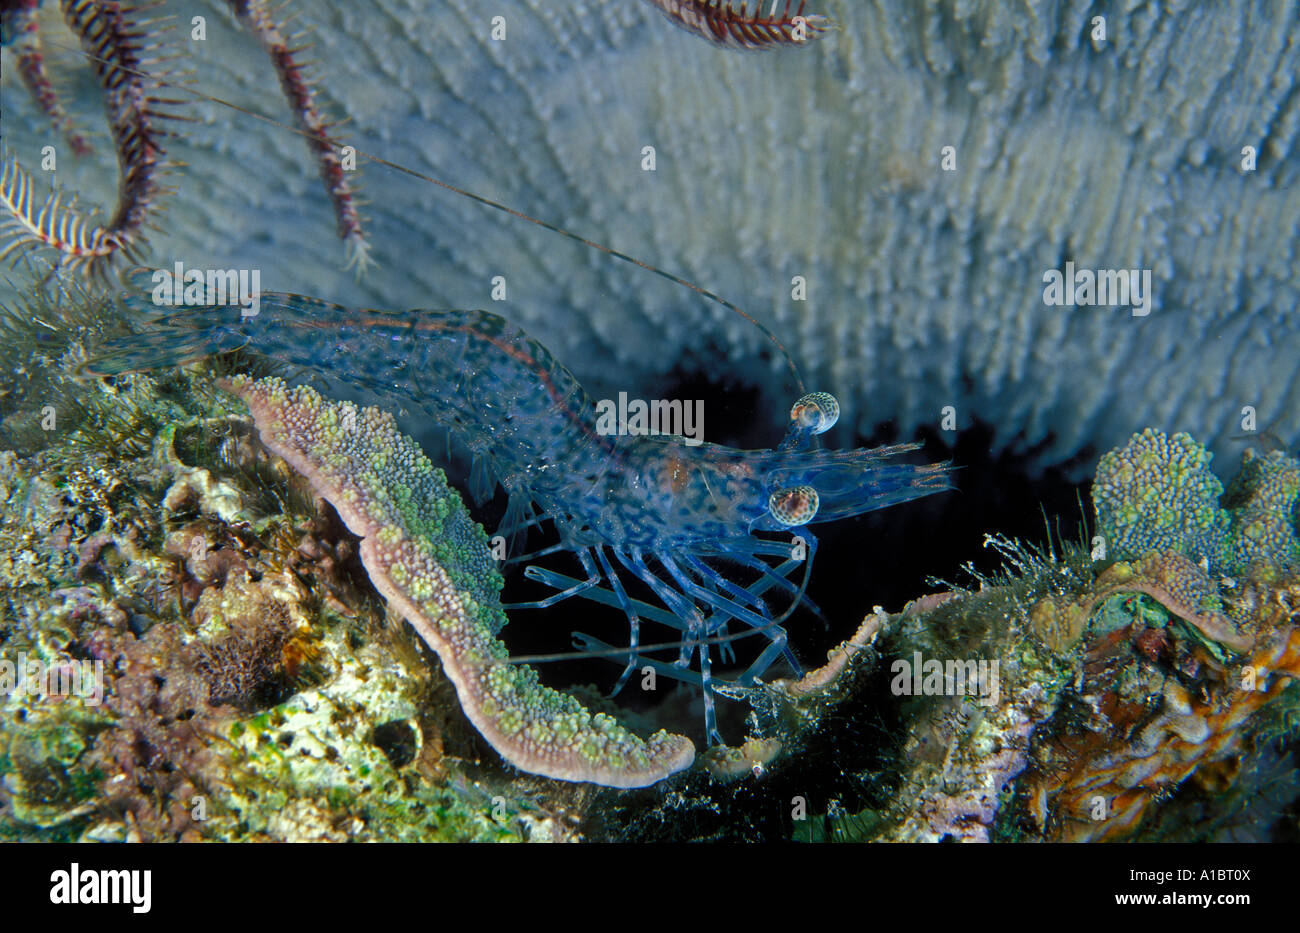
{"points": [[19, 26], [112, 37], [33, 221], [299, 89], [725, 23]]}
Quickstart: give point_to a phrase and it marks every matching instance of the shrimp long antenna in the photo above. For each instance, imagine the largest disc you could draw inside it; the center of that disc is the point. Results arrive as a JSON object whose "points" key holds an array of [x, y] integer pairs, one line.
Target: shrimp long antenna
{"points": [[317, 139]]}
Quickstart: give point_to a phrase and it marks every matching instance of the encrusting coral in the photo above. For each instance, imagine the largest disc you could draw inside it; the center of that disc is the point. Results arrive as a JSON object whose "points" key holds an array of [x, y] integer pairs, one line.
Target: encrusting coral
{"points": [[251, 686], [432, 563], [1158, 493], [1264, 515], [1161, 698]]}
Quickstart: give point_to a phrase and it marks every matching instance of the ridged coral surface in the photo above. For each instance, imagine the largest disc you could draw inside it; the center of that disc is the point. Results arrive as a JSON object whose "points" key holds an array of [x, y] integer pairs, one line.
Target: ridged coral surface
{"points": [[924, 287]]}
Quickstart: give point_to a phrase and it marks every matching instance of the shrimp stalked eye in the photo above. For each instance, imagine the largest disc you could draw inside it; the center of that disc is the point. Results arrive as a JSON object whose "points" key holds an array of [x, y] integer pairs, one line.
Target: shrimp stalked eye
{"points": [[815, 413], [794, 506]]}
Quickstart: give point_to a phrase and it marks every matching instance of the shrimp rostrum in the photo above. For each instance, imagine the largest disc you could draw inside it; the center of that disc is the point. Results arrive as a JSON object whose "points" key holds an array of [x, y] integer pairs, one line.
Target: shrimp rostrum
{"points": [[715, 535]]}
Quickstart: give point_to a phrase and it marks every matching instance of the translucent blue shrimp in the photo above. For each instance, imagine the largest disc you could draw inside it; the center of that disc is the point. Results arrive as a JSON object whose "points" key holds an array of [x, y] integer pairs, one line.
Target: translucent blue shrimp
{"points": [[679, 518]]}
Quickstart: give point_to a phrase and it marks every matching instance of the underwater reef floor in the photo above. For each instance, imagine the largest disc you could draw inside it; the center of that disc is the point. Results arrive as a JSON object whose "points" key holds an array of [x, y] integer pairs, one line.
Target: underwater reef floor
{"points": [[256, 686]]}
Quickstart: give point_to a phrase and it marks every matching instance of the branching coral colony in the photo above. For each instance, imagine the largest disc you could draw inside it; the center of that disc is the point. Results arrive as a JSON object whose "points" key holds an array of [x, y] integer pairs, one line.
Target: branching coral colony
{"points": [[122, 46]]}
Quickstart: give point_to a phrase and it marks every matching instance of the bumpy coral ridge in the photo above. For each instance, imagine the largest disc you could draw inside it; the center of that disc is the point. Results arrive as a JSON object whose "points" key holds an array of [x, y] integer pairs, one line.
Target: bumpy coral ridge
{"points": [[1157, 493], [1264, 526], [428, 558]]}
